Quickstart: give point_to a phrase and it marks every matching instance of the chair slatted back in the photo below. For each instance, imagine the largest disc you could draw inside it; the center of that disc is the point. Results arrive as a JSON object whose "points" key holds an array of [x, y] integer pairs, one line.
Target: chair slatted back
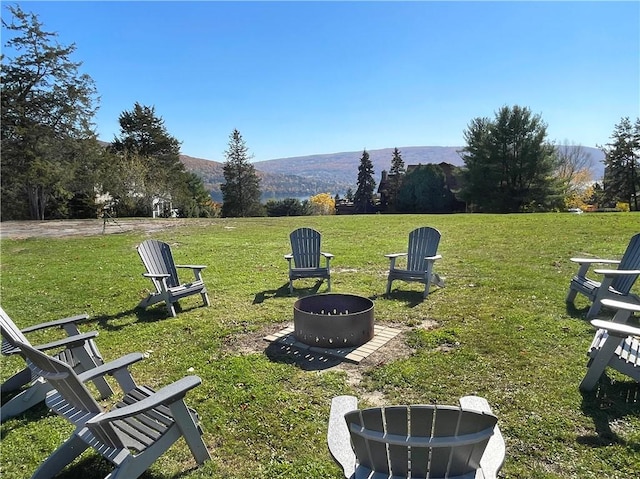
{"points": [[420, 441], [630, 260], [11, 334], [305, 247], [72, 392], [422, 242], [157, 258]]}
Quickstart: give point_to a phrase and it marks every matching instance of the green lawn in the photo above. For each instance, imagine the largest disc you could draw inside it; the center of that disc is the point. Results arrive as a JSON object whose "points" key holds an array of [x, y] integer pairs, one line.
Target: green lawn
{"points": [[502, 331]]}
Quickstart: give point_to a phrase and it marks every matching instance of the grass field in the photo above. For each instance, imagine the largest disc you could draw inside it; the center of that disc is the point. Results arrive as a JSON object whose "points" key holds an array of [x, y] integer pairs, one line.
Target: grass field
{"points": [[499, 329]]}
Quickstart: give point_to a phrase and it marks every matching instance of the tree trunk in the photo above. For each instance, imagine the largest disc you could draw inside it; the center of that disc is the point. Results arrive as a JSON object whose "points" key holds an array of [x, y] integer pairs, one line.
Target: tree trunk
{"points": [[37, 202]]}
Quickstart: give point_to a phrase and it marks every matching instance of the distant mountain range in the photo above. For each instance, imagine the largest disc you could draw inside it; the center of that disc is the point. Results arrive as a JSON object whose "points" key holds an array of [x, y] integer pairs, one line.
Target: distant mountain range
{"points": [[304, 176]]}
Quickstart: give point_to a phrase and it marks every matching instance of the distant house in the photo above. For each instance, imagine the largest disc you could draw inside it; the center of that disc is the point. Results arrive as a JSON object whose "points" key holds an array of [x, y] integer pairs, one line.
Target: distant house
{"points": [[345, 207], [162, 207]]}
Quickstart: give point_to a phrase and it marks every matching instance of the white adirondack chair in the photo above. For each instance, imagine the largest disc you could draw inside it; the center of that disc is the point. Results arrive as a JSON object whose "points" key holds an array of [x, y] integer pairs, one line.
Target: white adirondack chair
{"points": [[304, 259], [616, 283], [616, 344], [77, 349], [138, 430], [417, 441], [421, 256], [161, 270]]}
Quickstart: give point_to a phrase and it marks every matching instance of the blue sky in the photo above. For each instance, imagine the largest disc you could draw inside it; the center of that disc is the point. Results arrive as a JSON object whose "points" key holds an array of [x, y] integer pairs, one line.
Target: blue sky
{"points": [[302, 78]]}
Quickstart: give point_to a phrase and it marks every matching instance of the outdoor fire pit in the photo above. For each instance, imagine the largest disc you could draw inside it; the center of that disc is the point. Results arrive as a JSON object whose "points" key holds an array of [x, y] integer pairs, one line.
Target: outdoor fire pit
{"points": [[333, 320]]}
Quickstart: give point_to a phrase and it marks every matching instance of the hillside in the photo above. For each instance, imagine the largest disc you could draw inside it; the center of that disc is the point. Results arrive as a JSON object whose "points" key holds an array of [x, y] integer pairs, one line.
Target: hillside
{"points": [[273, 185], [334, 172]]}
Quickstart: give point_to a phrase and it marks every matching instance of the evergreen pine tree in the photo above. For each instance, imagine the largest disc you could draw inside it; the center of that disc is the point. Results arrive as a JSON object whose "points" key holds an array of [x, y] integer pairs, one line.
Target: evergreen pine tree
{"points": [[147, 164], [396, 175], [241, 189], [622, 163], [366, 185], [46, 121], [509, 164]]}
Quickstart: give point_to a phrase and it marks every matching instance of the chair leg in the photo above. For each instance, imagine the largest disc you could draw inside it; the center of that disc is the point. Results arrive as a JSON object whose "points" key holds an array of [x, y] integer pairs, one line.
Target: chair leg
{"points": [[16, 381], [571, 295], [25, 400], [86, 358], [205, 298], [171, 309], [72, 448], [190, 431], [389, 281], [329, 284], [290, 286], [427, 285], [595, 308], [599, 363], [146, 302]]}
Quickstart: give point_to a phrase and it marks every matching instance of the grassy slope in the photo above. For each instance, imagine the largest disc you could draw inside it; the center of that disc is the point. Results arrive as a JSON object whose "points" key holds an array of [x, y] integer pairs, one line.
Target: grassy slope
{"points": [[514, 340]]}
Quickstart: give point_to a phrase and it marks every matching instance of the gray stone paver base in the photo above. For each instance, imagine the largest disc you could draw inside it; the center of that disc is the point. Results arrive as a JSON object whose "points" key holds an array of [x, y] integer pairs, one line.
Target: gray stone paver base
{"points": [[381, 336]]}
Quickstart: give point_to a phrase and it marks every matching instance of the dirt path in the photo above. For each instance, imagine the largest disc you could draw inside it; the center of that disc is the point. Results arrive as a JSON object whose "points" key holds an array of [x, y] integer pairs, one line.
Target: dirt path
{"points": [[89, 227]]}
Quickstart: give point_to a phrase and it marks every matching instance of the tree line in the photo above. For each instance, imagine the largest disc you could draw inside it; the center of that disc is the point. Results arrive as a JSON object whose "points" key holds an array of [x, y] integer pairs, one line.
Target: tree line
{"points": [[510, 166], [53, 165]]}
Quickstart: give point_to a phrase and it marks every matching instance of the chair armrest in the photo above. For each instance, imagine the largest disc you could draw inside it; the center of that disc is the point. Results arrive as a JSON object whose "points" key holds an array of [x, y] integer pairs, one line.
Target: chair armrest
{"points": [[476, 403], [616, 329], [394, 255], [165, 396], [76, 340], [288, 257], [111, 366], [158, 275], [433, 258], [612, 303], [197, 269], [616, 272], [70, 341], [338, 437], [326, 255], [57, 323], [494, 454], [594, 260]]}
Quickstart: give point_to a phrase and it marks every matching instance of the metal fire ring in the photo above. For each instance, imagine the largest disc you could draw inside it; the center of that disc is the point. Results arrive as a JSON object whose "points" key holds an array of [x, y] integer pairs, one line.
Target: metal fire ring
{"points": [[333, 320]]}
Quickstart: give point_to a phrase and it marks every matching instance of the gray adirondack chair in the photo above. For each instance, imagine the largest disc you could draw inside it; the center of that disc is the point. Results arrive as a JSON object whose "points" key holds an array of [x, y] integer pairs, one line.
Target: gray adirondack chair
{"points": [[616, 344], [420, 258], [416, 441], [616, 283], [304, 259], [78, 350], [162, 271], [138, 430]]}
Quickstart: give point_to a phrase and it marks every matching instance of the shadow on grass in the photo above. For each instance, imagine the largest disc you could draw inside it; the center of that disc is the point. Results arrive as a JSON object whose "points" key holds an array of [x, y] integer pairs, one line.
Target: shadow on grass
{"points": [[410, 298], [135, 315], [608, 402], [302, 358], [281, 292], [95, 467], [31, 415], [580, 313]]}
